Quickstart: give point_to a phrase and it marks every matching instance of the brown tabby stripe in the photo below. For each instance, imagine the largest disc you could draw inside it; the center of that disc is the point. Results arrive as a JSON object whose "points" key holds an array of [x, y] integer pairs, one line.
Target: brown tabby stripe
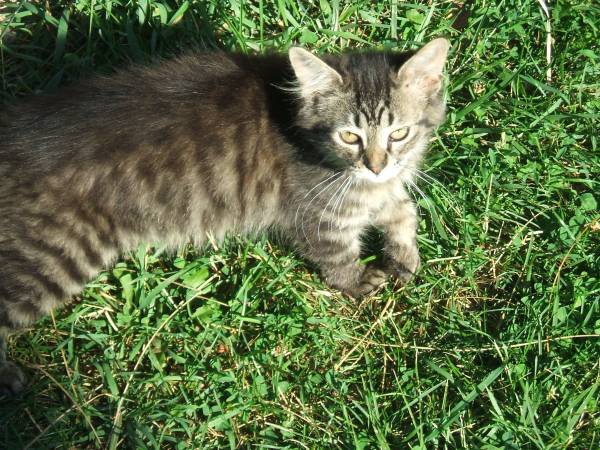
{"points": [[105, 235], [29, 268], [81, 241], [67, 264]]}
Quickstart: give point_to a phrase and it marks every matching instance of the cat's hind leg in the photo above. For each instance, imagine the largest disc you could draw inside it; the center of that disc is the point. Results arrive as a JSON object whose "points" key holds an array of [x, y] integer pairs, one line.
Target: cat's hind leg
{"points": [[12, 380]]}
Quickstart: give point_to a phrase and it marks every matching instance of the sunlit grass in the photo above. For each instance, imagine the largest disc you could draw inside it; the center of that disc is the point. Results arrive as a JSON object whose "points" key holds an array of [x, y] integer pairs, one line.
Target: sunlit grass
{"points": [[495, 345]]}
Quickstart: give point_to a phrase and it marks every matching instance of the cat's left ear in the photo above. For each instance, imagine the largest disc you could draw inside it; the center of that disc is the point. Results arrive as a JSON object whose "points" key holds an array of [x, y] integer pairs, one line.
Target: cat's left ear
{"points": [[313, 75], [423, 71]]}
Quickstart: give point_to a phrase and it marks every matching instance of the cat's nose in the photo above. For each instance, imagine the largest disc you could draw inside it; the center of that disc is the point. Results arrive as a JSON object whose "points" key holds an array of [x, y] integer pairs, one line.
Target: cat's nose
{"points": [[376, 164], [375, 168]]}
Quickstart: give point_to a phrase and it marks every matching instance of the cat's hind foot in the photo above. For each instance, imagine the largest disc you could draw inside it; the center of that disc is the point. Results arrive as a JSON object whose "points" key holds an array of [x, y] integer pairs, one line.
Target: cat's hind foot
{"points": [[12, 379]]}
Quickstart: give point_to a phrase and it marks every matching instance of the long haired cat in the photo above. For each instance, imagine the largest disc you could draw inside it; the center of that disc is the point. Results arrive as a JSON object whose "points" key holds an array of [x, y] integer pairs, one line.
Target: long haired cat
{"points": [[316, 148]]}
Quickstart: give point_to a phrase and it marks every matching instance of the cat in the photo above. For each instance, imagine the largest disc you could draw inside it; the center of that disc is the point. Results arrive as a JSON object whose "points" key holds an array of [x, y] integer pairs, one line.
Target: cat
{"points": [[318, 148]]}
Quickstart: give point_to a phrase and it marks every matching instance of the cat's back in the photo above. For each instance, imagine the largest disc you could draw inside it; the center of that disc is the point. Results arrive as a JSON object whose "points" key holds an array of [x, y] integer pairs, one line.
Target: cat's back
{"points": [[109, 116]]}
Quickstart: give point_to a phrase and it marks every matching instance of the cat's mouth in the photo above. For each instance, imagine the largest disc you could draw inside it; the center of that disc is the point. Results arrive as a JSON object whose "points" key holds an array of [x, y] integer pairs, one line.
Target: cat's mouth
{"points": [[387, 173]]}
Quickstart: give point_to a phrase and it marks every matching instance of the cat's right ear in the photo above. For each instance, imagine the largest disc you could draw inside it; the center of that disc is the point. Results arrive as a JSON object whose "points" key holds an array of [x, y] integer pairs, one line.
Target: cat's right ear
{"points": [[314, 76]]}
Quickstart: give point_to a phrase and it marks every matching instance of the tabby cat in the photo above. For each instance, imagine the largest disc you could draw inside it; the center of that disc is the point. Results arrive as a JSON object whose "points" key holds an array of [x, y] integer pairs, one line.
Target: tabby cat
{"points": [[316, 148]]}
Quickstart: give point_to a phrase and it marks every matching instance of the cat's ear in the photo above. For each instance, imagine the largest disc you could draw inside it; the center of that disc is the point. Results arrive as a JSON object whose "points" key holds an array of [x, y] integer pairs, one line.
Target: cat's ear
{"points": [[423, 71], [313, 75]]}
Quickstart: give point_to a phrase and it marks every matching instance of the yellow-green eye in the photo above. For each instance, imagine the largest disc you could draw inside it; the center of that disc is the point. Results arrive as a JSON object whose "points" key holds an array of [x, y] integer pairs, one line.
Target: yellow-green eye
{"points": [[399, 134], [349, 138]]}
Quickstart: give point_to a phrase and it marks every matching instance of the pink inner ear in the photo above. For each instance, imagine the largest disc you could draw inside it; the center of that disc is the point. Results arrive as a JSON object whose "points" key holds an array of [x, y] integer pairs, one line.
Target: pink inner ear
{"points": [[426, 83], [431, 83]]}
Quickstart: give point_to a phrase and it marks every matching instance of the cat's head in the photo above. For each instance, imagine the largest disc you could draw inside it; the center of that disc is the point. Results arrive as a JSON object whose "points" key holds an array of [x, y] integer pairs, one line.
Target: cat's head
{"points": [[371, 113]]}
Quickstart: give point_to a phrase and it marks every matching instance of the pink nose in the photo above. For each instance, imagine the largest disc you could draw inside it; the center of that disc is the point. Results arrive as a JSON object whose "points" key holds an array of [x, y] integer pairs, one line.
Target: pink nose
{"points": [[375, 168], [375, 161]]}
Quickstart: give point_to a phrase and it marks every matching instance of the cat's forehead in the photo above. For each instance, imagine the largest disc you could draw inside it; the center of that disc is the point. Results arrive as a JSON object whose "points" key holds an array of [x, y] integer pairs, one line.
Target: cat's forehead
{"points": [[370, 81], [370, 115], [368, 77]]}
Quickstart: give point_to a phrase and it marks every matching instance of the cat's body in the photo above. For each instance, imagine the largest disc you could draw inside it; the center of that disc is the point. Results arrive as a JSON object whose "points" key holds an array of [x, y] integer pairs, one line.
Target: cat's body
{"points": [[207, 145]]}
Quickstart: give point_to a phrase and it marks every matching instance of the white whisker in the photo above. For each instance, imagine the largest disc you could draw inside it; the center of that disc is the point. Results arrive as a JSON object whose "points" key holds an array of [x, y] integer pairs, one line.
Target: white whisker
{"points": [[327, 206], [435, 184], [308, 193], [331, 183], [344, 195], [410, 186], [339, 200]]}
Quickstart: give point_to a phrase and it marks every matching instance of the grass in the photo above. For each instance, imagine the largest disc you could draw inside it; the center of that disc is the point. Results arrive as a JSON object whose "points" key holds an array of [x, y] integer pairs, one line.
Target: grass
{"points": [[495, 345]]}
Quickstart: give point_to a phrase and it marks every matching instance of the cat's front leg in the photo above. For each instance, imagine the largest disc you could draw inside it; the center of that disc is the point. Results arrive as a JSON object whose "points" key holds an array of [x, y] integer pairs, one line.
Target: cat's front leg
{"points": [[399, 222], [338, 257]]}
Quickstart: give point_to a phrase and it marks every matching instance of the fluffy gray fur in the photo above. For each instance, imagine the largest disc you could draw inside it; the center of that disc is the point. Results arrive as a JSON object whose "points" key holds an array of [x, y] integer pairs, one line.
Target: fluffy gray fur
{"points": [[319, 149]]}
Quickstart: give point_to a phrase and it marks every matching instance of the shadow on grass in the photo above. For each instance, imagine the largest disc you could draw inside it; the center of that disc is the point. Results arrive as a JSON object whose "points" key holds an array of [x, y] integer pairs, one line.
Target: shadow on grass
{"points": [[44, 49]]}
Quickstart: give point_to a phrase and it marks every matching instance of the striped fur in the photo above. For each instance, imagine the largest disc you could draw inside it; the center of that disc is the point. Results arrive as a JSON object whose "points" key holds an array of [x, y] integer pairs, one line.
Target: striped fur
{"points": [[212, 144]]}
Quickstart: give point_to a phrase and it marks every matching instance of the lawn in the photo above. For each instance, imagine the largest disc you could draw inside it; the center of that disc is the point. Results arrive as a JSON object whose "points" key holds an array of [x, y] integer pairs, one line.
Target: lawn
{"points": [[496, 343]]}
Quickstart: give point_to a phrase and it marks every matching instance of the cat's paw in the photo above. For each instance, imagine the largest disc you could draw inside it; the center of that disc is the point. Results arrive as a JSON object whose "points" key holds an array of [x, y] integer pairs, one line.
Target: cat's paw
{"points": [[12, 379], [404, 262], [372, 279]]}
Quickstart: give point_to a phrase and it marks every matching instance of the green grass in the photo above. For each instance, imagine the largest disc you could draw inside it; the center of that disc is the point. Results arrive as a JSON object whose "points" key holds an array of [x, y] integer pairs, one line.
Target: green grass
{"points": [[495, 345]]}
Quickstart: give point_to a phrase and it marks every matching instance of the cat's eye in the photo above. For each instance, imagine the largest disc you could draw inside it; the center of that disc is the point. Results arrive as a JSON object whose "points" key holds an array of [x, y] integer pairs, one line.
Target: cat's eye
{"points": [[349, 138], [399, 134]]}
